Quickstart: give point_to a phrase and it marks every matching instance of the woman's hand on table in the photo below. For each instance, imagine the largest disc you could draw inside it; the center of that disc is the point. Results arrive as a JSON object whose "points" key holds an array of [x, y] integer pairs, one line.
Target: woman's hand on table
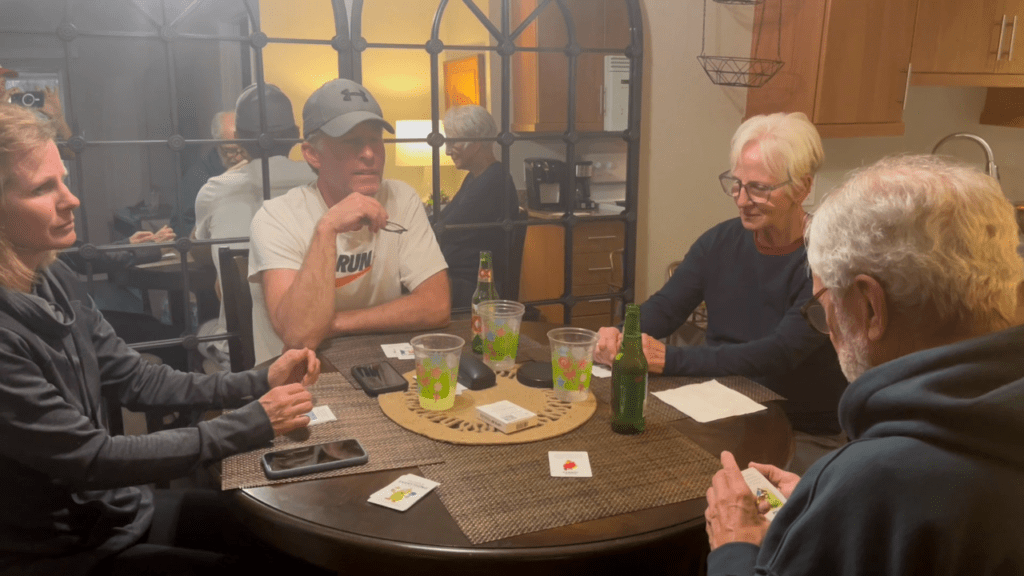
{"points": [[288, 400], [294, 366], [654, 351], [732, 514], [784, 481], [609, 340], [287, 406]]}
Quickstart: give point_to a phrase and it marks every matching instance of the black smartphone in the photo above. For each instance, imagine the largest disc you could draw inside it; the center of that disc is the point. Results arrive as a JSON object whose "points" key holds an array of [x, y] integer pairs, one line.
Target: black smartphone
{"points": [[310, 459], [379, 378]]}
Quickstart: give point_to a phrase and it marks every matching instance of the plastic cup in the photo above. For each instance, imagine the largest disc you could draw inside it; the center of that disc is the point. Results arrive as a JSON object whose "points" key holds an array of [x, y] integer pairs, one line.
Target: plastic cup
{"points": [[572, 357], [437, 369], [501, 320]]}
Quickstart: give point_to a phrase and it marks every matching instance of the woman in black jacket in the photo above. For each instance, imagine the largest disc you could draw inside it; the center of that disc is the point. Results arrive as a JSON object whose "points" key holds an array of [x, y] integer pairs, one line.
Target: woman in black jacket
{"points": [[74, 495]]}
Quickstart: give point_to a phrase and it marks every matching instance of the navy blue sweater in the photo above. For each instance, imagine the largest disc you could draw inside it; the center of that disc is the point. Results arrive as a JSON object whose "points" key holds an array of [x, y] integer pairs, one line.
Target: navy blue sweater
{"points": [[930, 484], [754, 324]]}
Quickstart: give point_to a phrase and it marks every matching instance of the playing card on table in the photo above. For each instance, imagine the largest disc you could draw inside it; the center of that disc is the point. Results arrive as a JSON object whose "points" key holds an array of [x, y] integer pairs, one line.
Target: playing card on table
{"points": [[570, 464], [401, 351], [403, 492], [320, 415]]}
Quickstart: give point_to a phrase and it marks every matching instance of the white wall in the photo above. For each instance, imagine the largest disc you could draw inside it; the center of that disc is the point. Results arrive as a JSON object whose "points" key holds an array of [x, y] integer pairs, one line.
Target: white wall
{"points": [[688, 121]]}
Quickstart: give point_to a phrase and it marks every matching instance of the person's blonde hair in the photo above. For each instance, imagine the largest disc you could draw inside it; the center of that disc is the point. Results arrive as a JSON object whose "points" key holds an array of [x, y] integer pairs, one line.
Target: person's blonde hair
{"points": [[938, 236], [21, 131], [790, 144]]}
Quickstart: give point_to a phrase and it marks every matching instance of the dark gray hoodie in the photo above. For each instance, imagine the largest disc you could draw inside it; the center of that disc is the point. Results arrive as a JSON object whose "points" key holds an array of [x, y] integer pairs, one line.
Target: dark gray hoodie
{"points": [[932, 482], [70, 492]]}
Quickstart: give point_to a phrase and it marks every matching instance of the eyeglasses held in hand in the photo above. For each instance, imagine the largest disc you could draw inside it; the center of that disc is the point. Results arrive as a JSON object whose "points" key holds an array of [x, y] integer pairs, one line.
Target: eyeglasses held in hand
{"points": [[388, 227], [757, 191]]}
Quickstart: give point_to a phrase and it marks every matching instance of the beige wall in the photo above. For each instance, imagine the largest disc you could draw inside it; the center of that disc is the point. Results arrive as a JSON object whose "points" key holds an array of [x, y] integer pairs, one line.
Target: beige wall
{"points": [[687, 123]]}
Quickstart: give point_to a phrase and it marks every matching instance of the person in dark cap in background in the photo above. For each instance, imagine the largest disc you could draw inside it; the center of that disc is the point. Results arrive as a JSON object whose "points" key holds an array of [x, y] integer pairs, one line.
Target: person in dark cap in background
{"points": [[226, 204], [334, 256], [213, 163]]}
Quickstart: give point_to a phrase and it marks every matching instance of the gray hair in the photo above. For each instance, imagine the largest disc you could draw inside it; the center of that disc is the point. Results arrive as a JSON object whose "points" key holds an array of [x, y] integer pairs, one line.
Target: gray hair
{"points": [[938, 236], [790, 144], [217, 124], [470, 121]]}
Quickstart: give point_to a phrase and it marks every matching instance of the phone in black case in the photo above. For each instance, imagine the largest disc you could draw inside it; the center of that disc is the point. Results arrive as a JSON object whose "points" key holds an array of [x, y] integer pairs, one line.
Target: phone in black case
{"points": [[379, 378]]}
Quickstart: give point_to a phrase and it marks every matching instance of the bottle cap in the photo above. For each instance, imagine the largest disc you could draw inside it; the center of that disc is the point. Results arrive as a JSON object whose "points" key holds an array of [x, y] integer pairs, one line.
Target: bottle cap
{"points": [[535, 375]]}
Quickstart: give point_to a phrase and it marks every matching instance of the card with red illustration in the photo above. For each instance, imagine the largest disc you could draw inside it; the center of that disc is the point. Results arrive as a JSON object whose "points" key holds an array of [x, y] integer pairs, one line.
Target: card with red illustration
{"points": [[569, 464]]}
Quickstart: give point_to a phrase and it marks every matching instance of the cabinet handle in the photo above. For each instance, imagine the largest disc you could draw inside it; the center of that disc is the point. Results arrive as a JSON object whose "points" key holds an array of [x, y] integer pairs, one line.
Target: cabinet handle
{"points": [[591, 238], [608, 269], [1002, 32], [906, 89], [1013, 35], [599, 301]]}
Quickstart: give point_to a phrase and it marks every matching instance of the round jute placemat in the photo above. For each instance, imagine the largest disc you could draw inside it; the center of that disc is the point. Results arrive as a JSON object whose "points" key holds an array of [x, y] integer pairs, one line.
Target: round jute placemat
{"points": [[461, 425]]}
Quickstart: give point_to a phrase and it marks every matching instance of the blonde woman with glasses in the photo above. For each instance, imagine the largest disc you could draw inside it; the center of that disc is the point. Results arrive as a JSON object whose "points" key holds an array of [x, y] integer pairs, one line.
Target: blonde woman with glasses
{"points": [[751, 271]]}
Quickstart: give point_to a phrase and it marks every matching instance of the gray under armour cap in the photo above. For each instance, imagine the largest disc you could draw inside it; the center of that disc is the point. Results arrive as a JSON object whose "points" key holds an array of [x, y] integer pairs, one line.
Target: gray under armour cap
{"points": [[279, 110], [338, 106]]}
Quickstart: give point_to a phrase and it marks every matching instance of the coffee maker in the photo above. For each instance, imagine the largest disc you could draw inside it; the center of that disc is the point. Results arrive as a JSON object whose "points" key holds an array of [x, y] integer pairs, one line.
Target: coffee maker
{"points": [[547, 185]]}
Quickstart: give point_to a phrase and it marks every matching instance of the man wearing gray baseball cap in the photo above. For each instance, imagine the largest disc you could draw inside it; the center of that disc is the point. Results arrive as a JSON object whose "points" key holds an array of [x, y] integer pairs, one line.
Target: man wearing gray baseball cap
{"points": [[351, 252]]}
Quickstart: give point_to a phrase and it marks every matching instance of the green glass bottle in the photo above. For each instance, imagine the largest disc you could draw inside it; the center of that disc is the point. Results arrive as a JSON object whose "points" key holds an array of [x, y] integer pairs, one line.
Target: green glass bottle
{"points": [[485, 291], [629, 378]]}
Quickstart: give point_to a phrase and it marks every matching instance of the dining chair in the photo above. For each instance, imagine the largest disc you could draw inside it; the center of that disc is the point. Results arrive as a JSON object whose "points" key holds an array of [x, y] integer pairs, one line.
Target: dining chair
{"points": [[692, 332], [234, 286]]}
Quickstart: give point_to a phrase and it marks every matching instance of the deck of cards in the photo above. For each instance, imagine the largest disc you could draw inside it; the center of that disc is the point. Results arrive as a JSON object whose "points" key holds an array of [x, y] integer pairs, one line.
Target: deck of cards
{"points": [[403, 493], [764, 491]]}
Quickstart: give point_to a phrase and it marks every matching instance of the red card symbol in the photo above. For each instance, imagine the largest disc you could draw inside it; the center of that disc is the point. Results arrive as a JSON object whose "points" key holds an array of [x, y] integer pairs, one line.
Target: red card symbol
{"points": [[569, 465]]}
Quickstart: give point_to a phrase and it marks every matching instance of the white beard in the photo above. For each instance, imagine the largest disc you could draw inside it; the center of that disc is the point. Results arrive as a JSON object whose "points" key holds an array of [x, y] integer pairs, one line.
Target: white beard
{"points": [[853, 353]]}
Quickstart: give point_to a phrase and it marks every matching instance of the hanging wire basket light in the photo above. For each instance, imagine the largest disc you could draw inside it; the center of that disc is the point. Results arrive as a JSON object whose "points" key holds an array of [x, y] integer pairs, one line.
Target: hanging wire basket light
{"points": [[750, 72]]}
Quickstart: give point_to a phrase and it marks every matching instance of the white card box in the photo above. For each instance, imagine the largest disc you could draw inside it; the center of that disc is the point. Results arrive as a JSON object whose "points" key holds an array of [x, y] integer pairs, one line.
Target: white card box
{"points": [[507, 416]]}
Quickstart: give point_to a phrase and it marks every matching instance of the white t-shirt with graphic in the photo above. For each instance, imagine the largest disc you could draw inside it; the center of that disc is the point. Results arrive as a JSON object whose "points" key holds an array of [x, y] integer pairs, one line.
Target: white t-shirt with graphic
{"points": [[371, 268]]}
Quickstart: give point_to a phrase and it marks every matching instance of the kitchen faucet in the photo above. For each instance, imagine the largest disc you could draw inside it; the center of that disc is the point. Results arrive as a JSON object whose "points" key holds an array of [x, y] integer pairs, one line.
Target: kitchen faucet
{"points": [[993, 170]]}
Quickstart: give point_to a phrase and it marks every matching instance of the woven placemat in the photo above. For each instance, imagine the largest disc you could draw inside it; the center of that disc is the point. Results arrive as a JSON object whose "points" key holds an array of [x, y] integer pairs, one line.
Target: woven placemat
{"points": [[460, 424], [630, 473], [659, 411], [388, 445]]}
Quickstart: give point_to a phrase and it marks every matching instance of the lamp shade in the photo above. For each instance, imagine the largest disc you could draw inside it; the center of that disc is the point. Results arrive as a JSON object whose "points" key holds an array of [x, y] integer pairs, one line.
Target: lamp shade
{"points": [[415, 153]]}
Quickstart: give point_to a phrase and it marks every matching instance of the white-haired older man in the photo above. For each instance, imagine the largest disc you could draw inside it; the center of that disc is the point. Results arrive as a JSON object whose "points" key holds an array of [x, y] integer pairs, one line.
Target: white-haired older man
{"points": [[918, 283]]}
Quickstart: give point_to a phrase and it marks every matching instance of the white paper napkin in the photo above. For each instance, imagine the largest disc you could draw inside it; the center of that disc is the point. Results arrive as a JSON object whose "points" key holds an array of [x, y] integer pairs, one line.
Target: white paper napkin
{"points": [[708, 401]]}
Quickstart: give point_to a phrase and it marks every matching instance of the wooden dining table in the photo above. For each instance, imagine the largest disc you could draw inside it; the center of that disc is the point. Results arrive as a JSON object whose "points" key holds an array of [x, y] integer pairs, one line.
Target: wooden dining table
{"points": [[330, 523]]}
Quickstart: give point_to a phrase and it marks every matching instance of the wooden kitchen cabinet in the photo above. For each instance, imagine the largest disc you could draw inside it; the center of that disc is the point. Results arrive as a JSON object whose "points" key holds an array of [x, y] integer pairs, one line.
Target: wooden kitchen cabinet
{"points": [[969, 43], [845, 64], [594, 270], [540, 80]]}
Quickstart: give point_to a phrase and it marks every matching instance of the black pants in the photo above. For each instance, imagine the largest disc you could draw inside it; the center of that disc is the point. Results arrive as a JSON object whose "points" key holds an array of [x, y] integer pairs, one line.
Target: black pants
{"points": [[194, 533]]}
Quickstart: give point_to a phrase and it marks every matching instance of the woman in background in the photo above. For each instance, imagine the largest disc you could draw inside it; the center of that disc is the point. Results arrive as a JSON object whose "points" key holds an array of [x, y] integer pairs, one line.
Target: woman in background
{"points": [[488, 194]]}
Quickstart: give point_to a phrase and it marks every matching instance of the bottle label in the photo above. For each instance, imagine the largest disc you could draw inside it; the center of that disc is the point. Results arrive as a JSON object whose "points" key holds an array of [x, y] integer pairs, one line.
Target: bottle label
{"points": [[478, 324], [485, 275]]}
